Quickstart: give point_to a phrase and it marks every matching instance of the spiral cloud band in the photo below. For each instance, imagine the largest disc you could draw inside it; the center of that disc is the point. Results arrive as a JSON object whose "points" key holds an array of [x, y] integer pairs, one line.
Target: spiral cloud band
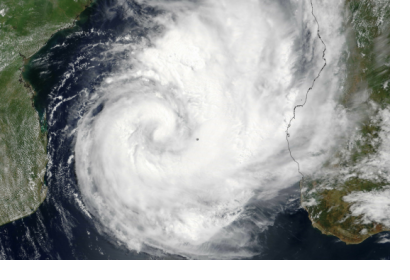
{"points": [[190, 130]]}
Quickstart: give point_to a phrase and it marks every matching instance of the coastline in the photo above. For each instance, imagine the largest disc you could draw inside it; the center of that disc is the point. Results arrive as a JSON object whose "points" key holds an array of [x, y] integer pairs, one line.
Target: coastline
{"points": [[367, 74], [41, 186], [344, 235], [26, 60]]}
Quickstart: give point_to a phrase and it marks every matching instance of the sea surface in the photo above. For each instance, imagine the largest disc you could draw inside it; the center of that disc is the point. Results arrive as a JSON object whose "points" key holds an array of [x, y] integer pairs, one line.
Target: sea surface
{"points": [[64, 73]]}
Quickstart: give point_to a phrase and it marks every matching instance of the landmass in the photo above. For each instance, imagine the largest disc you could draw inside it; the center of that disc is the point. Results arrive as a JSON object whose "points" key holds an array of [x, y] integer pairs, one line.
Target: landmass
{"points": [[335, 197], [25, 26], [350, 196]]}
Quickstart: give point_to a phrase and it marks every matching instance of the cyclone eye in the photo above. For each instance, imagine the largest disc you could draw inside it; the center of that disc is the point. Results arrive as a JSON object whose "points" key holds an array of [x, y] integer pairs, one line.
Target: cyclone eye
{"points": [[226, 74]]}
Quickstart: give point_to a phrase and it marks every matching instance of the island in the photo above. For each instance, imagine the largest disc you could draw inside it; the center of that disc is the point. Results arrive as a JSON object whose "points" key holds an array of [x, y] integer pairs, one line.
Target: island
{"points": [[337, 197], [341, 198]]}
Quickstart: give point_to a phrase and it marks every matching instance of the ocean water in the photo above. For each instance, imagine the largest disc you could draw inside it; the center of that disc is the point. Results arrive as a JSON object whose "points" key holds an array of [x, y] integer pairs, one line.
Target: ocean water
{"points": [[67, 71]]}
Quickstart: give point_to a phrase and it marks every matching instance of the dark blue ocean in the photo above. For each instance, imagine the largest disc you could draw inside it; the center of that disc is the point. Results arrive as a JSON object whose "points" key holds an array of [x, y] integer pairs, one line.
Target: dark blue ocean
{"points": [[70, 66]]}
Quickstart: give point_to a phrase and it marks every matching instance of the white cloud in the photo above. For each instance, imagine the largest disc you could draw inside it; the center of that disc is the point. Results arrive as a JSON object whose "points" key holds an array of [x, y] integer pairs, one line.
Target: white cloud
{"points": [[311, 202], [193, 127], [375, 166], [384, 238], [374, 206]]}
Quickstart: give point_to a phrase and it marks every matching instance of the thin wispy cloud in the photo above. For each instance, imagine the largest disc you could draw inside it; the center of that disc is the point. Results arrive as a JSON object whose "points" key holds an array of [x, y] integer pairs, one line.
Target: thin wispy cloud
{"points": [[192, 127]]}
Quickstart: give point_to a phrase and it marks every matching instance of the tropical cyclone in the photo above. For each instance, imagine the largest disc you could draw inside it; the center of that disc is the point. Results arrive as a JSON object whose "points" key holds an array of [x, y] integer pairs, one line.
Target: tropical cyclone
{"points": [[188, 133], [197, 116], [24, 27]]}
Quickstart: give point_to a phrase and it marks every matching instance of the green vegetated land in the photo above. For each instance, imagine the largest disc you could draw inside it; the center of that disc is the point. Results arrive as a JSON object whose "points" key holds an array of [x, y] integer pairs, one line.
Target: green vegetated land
{"points": [[366, 97], [25, 26]]}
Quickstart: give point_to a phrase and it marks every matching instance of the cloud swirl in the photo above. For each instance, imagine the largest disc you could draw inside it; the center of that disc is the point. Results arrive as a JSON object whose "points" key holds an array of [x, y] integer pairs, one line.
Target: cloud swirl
{"points": [[190, 130]]}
